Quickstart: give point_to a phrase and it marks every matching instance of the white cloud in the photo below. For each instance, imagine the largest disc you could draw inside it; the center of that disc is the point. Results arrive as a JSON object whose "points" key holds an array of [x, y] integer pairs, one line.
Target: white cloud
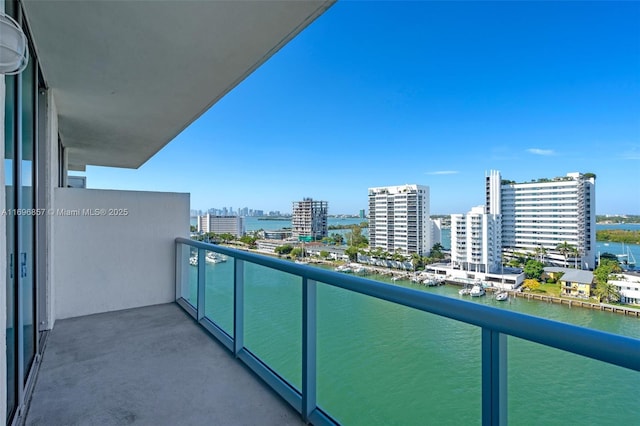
{"points": [[443, 172], [539, 151]]}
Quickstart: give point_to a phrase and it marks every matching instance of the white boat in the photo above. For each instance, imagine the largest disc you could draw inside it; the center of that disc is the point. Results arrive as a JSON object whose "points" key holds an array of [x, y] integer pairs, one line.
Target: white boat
{"points": [[193, 261], [464, 291], [212, 257], [502, 295], [343, 268], [477, 290]]}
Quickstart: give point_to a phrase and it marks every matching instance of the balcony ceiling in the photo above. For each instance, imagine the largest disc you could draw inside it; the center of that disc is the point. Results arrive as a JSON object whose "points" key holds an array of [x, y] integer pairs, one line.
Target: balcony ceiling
{"points": [[128, 77]]}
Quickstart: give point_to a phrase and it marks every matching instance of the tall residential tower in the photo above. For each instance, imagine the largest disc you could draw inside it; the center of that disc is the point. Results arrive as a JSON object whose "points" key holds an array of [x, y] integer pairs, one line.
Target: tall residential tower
{"points": [[540, 215], [399, 219], [310, 219]]}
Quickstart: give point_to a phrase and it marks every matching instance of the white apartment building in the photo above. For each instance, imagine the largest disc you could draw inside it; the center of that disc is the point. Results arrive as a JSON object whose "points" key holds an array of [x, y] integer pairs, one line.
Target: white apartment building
{"points": [[628, 285], [309, 219], [545, 213], [399, 219], [233, 225], [476, 241]]}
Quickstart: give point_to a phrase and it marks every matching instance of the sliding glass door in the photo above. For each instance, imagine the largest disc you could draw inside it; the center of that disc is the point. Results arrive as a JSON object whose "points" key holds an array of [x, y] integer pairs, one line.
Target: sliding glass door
{"points": [[9, 170], [20, 135]]}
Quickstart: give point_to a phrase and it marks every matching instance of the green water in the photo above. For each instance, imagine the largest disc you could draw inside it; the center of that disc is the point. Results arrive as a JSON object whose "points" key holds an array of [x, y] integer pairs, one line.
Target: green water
{"points": [[384, 364]]}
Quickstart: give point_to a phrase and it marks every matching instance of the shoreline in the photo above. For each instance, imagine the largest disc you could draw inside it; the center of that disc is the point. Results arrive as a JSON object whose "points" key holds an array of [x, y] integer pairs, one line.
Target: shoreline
{"points": [[406, 276]]}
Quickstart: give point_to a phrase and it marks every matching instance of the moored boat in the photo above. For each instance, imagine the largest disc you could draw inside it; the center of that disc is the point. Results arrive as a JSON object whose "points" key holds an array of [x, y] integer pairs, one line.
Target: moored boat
{"points": [[477, 290], [502, 295]]}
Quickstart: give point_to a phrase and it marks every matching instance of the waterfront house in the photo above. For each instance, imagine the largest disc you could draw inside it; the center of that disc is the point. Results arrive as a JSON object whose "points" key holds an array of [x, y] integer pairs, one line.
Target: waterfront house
{"points": [[628, 285], [576, 283]]}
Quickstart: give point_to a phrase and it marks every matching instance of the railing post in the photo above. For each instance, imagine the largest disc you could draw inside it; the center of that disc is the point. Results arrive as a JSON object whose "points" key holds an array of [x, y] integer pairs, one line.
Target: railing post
{"points": [[201, 282], [238, 306], [308, 347], [494, 378]]}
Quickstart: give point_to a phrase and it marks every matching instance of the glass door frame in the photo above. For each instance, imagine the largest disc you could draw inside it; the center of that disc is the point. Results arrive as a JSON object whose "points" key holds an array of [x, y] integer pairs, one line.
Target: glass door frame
{"points": [[24, 375]]}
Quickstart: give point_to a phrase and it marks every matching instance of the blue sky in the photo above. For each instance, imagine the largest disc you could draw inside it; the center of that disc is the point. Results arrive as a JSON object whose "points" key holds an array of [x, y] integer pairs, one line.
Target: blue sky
{"points": [[433, 93]]}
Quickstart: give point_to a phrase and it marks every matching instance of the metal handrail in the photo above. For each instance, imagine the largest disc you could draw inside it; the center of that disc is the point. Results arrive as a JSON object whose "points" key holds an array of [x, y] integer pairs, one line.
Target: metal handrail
{"points": [[496, 324], [603, 346]]}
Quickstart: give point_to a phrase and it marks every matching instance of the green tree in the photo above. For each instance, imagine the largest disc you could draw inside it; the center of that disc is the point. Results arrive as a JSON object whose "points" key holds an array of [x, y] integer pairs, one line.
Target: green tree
{"points": [[605, 290], [576, 257], [436, 251], [249, 240], [296, 252], [398, 256], [337, 238], [284, 249], [352, 252], [324, 254], [193, 228], [416, 261], [541, 253], [533, 269], [565, 249], [226, 237], [355, 237], [377, 253]]}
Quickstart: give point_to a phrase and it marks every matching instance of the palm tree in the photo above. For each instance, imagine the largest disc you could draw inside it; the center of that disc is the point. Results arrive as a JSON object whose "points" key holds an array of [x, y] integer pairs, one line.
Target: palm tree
{"points": [[541, 252], [607, 291], [564, 249], [416, 260], [575, 253]]}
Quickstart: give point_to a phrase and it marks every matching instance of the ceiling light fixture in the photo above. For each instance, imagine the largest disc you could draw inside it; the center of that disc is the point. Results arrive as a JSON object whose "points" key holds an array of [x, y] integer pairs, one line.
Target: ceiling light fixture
{"points": [[14, 53]]}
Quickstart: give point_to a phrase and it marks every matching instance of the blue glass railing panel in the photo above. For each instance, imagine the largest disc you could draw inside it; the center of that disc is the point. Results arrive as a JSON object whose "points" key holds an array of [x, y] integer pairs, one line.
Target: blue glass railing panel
{"points": [[577, 389], [187, 274], [282, 320], [218, 295], [192, 295], [272, 318], [426, 373]]}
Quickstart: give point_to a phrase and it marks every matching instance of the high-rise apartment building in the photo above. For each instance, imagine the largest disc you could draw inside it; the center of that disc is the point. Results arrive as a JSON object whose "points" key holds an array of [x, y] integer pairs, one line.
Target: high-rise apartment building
{"points": [[310, 219], [476, 239], [233, 225], [399, 219], [540, 215]]}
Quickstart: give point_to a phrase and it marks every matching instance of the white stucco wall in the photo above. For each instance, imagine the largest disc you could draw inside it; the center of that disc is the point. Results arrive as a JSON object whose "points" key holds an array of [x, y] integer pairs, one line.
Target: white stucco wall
{"points": [[107, 263]]}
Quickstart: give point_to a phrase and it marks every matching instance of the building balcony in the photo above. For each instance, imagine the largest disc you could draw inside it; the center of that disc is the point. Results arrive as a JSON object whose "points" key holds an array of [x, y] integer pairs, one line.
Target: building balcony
{"points": [[153, 365], [246, 343]]}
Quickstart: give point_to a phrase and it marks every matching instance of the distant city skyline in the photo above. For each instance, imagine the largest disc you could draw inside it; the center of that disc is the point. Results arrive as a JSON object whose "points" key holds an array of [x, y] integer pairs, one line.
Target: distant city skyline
{"points": [[430, 93]]}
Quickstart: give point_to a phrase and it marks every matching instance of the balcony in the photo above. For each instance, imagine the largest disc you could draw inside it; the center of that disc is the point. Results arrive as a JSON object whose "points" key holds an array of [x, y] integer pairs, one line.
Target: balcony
{"points": [[155, 365], [150, 365]]}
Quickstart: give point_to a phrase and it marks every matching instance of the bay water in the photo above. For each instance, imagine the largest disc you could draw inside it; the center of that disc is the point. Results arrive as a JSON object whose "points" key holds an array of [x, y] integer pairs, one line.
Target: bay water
{"points": [[384, 364]]}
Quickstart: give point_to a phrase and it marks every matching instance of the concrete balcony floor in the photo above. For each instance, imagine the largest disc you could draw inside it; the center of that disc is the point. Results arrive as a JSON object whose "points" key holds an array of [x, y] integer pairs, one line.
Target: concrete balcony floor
{"points": [[147, 366]]}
